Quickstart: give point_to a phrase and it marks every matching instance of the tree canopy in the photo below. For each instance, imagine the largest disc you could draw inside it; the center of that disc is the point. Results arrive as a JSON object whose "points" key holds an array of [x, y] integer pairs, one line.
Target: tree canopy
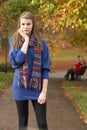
{"points": [[55, 14], [52, 16], [1, 1]]}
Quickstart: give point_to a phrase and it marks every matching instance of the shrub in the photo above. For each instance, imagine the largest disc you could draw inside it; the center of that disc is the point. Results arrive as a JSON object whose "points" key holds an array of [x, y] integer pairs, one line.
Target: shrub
{"points": [[6, 67]]}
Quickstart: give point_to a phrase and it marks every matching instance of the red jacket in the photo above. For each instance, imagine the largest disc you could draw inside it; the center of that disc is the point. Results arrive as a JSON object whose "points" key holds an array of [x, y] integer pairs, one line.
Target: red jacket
{"points": [[78, 66]]}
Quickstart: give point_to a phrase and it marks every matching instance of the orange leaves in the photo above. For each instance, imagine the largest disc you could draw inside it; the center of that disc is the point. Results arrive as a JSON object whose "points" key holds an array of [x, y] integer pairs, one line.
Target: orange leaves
{"points": [[66, 15], [56, 14], [53, 47], [2, 21]]}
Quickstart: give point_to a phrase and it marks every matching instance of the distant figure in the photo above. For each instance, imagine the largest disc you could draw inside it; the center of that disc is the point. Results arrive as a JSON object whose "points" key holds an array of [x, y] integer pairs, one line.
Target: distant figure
{"points": [[77, 67]]}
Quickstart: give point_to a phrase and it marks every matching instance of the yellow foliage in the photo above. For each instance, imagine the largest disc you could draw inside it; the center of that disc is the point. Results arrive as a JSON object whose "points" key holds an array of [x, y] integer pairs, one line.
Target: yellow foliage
{"points": [[53, 47]]}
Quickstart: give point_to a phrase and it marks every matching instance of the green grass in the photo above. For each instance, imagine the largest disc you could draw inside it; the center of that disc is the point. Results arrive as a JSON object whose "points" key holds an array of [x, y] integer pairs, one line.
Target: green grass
{"points": [[70, 55], [77, 91], [5, 79]]}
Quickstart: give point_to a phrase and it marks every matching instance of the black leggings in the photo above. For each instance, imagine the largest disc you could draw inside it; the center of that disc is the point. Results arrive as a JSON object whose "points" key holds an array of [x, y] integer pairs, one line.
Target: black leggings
{"points": [[40, 112], [70, 72]]}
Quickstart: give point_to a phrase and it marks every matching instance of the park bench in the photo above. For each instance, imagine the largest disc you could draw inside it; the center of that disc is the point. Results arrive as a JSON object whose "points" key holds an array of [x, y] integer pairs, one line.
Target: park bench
{"points": [[80, 72]]}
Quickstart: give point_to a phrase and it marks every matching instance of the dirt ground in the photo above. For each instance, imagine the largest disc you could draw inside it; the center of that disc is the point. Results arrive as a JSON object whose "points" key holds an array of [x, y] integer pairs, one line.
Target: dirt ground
{"points": [[63, 65]]}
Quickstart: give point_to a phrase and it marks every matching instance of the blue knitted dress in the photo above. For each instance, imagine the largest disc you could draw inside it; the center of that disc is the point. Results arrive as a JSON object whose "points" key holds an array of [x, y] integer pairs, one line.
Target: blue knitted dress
{"points": [[16, 58]]}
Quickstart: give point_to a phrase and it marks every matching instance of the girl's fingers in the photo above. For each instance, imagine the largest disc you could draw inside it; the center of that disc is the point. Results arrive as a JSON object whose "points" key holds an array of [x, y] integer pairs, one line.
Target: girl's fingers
{"points": [[22, 34]]}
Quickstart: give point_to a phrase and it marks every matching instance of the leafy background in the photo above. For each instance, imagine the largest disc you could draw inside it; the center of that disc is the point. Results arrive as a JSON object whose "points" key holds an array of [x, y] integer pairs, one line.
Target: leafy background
{"points": [[63, 23]]}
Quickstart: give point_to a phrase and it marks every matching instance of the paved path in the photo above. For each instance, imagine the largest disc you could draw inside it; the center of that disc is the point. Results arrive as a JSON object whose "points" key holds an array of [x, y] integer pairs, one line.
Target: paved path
{"points": [[61, 114], [60, 74]]}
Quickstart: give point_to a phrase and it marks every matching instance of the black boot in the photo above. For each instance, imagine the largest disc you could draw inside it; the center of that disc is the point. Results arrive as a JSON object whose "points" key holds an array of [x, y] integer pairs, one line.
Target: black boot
{"points": [[72, 76], [66, 77]]}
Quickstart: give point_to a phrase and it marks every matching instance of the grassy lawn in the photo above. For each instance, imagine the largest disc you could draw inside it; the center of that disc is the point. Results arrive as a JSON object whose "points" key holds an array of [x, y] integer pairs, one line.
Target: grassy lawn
{"points": [[77, 93], [69, 55], [5, 79]]}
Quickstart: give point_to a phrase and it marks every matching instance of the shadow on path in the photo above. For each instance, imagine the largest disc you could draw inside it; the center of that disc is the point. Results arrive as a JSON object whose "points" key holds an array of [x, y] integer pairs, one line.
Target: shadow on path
{"points": [[60, 113]]}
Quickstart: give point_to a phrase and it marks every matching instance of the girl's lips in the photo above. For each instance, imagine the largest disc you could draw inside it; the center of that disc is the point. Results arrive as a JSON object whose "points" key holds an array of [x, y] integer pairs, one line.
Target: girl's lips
{"points": [[26, 30]]}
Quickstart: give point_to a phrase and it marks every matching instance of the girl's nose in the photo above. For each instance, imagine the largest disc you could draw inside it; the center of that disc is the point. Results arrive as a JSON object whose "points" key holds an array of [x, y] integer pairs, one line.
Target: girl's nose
{"points": [[25, 26]]}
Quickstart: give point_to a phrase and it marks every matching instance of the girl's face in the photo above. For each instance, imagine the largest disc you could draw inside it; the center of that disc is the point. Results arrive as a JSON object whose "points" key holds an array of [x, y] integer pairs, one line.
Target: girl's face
{"points": [[26, 25]]}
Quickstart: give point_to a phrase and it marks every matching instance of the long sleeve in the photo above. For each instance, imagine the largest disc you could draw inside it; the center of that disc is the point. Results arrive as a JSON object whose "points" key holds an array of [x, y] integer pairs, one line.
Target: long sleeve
{"points": [[45, 61], [16, 56]]}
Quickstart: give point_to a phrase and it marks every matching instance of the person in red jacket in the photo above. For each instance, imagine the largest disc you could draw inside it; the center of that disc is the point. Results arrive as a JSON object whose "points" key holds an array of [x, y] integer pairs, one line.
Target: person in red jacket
{"points": [[77, 67]]}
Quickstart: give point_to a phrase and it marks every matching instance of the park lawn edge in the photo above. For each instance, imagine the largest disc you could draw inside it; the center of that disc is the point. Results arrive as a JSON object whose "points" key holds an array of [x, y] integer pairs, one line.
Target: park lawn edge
{"points": [[75, 104], [5, 81]]}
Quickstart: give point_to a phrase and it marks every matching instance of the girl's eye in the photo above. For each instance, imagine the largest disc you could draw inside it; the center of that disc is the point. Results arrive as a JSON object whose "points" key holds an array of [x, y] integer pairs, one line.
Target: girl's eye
{"points": [[23, 24], [28, 23]]}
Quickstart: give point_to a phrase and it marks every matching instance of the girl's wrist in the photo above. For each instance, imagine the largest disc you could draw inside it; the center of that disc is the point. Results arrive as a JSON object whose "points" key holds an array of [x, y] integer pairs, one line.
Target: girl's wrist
{"points": [[44, 91], [27, 39]]}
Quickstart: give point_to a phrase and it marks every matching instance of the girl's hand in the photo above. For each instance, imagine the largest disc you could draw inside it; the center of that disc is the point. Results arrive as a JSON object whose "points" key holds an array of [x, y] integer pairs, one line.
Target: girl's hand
{"points": [[26, 42], [25, 36], [42, 98]]}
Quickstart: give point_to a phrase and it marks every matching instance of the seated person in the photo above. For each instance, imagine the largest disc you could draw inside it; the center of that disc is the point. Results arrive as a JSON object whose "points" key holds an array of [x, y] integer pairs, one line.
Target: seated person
{"points": [[77, 67]]}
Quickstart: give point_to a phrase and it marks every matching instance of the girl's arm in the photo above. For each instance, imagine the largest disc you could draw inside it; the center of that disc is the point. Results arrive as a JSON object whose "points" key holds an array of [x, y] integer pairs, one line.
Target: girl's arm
{"points": [[45, 73], [17, 56], [42, 97]]}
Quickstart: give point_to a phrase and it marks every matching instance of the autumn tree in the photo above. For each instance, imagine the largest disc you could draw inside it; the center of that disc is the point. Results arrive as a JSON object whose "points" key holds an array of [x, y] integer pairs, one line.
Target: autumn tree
{"points": [[54, 15], [58, 13]]}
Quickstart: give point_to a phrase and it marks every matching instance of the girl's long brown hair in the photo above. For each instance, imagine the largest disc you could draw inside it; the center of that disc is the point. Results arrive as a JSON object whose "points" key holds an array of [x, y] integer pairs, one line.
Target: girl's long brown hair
{"points": [[16, 38]]}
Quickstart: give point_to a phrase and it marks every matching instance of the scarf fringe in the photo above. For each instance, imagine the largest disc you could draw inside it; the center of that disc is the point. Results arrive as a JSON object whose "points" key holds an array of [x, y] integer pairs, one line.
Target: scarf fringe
{"points": [[23, 81], [35, 83]]}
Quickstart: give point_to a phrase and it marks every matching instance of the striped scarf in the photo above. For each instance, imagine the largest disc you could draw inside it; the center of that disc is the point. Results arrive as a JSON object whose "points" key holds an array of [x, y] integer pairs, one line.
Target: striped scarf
{"points": [[33, 82]]}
